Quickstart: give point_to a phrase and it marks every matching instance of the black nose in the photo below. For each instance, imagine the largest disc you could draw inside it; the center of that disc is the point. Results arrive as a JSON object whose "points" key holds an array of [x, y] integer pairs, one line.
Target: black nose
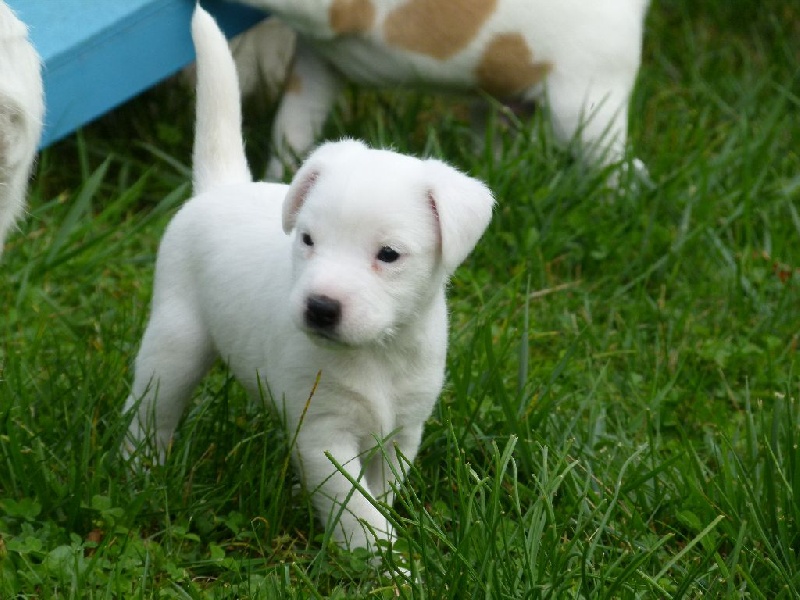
{"points": [[323, 313]]}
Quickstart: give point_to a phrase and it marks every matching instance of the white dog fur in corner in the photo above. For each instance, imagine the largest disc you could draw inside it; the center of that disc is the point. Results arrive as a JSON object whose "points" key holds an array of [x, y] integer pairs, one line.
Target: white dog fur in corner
{"points": [[580, 56], [341, 274], [21, 111]]}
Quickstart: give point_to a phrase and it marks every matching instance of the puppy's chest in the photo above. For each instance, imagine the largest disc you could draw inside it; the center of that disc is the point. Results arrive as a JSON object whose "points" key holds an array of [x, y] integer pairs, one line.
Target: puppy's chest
{"points": [[385, 394], [407, 386]]}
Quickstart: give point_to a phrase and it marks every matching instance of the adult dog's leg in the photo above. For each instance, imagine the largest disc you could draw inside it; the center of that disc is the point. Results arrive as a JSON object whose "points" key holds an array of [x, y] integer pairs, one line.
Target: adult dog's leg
{"points": [[311, 91], [595, 116]]}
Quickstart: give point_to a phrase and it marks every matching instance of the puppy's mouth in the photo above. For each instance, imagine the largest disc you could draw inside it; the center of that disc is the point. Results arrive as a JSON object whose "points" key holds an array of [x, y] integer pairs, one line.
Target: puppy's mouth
{"points": [[333, 338], [325, 337]]}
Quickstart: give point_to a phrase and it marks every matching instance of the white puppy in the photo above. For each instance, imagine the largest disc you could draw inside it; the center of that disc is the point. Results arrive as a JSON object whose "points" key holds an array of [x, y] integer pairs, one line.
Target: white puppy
{"points": [[342, 325], [580, 56], [21, 110]]}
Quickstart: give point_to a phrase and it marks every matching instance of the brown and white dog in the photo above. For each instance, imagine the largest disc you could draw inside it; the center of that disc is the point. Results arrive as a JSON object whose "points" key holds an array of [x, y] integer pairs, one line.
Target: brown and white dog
{"points": [[21, 111], [580, 57]]}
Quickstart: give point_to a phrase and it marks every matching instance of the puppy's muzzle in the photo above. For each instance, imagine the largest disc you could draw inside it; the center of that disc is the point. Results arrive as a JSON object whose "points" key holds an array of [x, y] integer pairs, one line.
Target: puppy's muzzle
{"points": [[323, 314]]}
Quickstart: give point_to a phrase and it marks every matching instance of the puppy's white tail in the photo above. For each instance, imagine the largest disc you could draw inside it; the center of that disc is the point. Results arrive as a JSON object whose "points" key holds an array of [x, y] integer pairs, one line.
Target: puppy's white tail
{"points": [[218, 146]]}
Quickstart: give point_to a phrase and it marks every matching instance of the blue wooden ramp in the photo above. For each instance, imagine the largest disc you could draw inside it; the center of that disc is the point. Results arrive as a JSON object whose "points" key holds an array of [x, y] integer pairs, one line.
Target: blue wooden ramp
{"points": [[99, 53]]}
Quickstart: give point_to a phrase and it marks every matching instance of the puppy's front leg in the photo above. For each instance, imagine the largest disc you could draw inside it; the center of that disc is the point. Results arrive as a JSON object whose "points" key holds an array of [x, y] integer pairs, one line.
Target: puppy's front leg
{"points": [[359, 523], [311, 91], [386, 470]]}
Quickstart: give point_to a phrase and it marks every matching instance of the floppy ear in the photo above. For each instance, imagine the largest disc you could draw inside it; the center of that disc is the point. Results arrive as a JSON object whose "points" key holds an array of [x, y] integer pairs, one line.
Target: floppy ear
{"points": [[323, 158], [463, 208], [298, 192]]}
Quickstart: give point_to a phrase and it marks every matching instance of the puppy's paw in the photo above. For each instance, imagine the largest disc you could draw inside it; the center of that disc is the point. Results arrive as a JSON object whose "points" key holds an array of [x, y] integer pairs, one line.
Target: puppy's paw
{"points": [[140, 451]]}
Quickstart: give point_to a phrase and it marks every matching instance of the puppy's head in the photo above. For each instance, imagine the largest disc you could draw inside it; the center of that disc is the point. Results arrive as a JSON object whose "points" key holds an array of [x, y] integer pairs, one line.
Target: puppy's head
{"points": [[376, 234]]}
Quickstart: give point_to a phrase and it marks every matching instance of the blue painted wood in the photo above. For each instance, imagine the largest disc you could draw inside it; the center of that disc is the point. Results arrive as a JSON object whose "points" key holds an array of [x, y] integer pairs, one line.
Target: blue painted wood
{"points": [[100, 53]]}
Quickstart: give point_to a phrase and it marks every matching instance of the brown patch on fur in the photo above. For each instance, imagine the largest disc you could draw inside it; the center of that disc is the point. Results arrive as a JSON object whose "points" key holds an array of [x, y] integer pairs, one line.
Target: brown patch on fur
{"points": [[507, 67], [351, 16], [438, 28]]}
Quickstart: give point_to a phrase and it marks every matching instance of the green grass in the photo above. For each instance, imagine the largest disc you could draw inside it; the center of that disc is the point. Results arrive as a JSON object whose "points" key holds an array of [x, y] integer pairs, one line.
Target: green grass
{"points": [[621, 412]]}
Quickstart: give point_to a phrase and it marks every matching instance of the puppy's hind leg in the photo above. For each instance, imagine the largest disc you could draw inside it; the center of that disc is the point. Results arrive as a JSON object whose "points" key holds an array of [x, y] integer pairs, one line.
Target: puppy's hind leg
{"points": [[21, 110], [175, 354]]}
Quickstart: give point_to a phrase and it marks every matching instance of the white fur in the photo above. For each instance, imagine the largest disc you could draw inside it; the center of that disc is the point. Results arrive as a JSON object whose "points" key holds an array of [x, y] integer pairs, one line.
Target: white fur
{"points": [[21, 111], [231, 283], [263, 55], [594, 47]]}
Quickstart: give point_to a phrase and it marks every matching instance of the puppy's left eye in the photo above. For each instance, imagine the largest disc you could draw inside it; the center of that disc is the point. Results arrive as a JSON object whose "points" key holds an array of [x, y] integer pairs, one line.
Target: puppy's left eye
{"points": [[387, 254], [307, 240]]}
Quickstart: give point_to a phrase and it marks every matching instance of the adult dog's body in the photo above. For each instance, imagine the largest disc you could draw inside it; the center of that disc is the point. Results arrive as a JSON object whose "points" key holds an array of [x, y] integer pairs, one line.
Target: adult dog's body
{"points": [[342, 325], [21, 110], [581, 56]]}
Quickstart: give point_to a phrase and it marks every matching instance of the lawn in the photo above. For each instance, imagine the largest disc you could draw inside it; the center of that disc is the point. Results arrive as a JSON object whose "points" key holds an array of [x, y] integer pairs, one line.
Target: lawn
{"points": [[621, 414]]}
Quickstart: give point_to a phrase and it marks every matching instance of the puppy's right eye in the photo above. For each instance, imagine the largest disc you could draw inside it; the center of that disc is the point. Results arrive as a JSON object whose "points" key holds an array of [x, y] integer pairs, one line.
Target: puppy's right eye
{"points": [[307, 240]]}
